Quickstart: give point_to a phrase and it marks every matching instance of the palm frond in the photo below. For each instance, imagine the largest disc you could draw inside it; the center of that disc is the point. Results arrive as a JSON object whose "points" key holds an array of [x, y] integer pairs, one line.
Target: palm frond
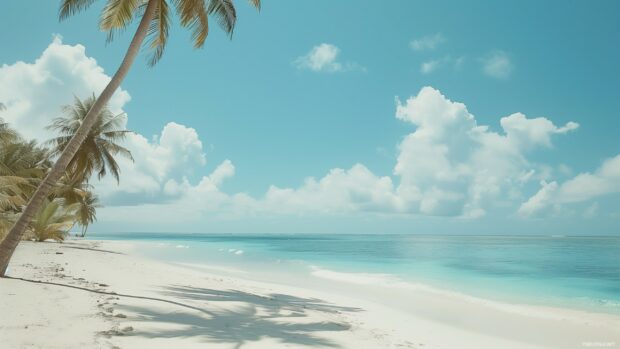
{"points": [[52, 221], [116, 149], [158, 31], [116, 16], [256, 3], [200, 27], [225, 13], [71, 7], [7, 134], [96, 154]]}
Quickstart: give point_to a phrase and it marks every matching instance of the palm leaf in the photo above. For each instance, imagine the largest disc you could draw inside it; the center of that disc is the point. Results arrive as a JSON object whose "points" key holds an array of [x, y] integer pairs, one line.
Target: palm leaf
{"points": [[116, 16], [158, 31], [71, 7], [225, 13]]}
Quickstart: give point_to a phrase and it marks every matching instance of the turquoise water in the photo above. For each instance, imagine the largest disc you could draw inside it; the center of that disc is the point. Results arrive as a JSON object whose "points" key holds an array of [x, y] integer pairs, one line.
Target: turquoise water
{"points": [[576, 272]]}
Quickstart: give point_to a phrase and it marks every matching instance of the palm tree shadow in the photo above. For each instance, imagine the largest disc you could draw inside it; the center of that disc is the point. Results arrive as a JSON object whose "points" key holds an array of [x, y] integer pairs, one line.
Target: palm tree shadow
{"points": [[251, 317]]}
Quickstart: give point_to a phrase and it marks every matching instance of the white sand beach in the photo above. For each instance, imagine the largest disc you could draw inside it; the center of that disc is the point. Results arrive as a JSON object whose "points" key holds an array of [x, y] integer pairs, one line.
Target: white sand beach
{"points": [[143, 303]]}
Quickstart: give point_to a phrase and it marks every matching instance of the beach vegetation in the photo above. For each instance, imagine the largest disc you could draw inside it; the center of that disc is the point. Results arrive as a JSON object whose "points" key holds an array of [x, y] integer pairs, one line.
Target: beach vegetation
{"points": [[52, 221], [116, 16], [71, 200]]}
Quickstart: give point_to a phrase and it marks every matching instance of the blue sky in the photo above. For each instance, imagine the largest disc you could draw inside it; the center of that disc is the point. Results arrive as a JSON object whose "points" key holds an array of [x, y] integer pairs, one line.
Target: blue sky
{"points": [[281, 112]]}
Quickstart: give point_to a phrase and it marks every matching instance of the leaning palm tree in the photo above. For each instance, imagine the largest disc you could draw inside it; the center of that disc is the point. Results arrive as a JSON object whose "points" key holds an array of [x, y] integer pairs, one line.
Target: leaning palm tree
{"points": [[116, 16], [52, 221], [100, 146]]}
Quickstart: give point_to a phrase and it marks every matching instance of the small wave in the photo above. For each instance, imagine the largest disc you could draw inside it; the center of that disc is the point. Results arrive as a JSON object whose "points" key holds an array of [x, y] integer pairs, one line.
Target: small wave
{"points": [[182, 246], [355, 278]]}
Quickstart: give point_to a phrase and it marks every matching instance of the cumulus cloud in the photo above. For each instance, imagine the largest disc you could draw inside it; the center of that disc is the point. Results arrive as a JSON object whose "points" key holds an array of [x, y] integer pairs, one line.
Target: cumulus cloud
{"points": [[159, 164], [353, 190], [324, 58], [497, 65], [34, 92], [542, 203], [427, 43], [452, 166], [448, 164], [582, 188]]}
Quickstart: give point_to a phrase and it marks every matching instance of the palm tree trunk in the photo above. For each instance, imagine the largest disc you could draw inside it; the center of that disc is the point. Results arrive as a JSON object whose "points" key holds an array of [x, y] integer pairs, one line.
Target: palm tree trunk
{"points": [[12, 239]]}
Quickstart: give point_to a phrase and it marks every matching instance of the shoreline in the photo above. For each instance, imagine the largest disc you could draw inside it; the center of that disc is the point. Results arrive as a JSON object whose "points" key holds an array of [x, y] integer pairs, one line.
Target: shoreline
{"points": [[188, 308]]}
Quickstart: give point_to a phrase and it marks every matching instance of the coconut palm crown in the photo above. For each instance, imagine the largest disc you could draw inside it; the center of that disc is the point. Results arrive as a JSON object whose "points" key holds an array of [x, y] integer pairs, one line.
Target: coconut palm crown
{"points": [[193, 15], [100, 146]]}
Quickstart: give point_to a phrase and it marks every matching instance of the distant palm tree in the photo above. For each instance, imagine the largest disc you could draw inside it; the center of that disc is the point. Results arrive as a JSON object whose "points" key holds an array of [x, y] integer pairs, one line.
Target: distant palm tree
{"points": [[52, 221], [7, 134], [86, 211], [116, 16], [100, 146], [74, 191]]}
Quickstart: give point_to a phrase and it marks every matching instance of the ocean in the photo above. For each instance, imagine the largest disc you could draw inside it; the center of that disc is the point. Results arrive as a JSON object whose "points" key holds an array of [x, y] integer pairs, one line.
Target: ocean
{"points": [[573, 272]]}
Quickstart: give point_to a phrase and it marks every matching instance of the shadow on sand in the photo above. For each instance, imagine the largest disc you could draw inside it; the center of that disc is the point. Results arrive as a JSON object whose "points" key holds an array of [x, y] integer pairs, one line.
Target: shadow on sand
{"points": [[248, 317]]}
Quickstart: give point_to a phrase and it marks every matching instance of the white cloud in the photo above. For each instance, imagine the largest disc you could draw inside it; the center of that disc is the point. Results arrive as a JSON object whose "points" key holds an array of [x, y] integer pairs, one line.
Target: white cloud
{"points": [[33, 93], [172, 156], [497, 65], [452, 166], [532, 132], [542, 203], [427, 43], [448, 165], [430, 66], [356, 189], [433, 65], [581, 188], [324, 58]]}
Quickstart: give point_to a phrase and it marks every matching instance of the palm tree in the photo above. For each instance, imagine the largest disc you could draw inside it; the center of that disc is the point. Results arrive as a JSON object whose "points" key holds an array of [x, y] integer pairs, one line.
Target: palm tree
{"points": [[116, 16], [85, 212], [75, 191], [52, 221], [22, 165], [7, 134], [98, 149]]}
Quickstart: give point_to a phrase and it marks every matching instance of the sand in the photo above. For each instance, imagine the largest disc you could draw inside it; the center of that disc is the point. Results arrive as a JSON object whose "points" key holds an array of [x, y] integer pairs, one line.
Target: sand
{"points": [[118, 299]]}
